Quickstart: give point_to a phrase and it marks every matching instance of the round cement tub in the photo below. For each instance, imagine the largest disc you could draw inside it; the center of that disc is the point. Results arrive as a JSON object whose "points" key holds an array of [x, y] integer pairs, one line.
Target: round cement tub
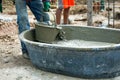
{"points": [[99, 62]]}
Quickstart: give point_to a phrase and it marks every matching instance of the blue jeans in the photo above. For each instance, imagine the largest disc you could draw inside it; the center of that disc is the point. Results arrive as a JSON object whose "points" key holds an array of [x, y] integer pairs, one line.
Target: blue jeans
{"points": [[36, 6]]}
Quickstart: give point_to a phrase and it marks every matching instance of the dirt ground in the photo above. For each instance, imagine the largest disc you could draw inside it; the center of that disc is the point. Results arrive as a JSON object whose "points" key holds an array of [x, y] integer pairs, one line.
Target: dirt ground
{"points": [[12, 65]]}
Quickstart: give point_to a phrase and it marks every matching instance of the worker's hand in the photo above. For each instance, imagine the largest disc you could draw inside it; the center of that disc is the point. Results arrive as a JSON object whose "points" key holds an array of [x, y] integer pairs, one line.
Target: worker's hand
{"points": [[46, 6]]}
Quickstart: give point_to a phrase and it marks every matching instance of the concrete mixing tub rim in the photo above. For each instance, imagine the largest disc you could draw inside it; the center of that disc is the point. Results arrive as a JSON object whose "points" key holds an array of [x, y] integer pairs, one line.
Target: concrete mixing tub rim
{"points": [[108, 47]]}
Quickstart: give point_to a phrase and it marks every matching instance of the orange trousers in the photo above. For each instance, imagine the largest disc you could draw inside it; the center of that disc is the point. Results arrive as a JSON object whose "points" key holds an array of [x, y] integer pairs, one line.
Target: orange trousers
{"points": [[68, 3]]}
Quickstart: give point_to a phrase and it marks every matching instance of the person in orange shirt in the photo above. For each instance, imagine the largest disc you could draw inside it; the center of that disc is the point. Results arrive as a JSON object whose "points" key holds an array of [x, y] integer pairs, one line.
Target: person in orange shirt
{"points": [[65, 6]]}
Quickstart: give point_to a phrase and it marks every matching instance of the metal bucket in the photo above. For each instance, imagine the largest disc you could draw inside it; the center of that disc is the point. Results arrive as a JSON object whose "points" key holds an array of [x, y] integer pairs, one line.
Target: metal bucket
{"points": [[46, 33]]}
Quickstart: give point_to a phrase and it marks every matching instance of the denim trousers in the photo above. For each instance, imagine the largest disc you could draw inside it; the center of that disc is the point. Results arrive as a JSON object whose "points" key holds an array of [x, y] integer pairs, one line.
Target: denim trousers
{"points": [[36, 6]]}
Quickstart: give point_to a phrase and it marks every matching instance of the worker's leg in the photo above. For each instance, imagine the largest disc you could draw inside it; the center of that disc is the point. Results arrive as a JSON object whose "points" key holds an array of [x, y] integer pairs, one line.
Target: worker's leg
{"points": [[59, 11], [66, 15], [98, 7], [58, 16], [22, 19], [36, 7], [95, 7], [22, 15], [1, 6], [102, 7]]}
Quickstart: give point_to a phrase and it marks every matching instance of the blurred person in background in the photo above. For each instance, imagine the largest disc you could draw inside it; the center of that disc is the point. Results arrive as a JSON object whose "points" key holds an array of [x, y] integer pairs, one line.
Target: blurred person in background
{"points": [[1, 6], [63, 5], [102, 5], [96, 6]]}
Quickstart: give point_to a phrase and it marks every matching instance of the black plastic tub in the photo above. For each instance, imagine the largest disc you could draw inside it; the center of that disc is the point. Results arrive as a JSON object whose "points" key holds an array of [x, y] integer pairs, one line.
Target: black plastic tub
{"points": [[89, 62]]}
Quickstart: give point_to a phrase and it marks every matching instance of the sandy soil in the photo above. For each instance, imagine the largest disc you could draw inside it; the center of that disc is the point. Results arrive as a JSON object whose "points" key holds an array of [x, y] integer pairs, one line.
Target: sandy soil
{"points": [[12, 65]]}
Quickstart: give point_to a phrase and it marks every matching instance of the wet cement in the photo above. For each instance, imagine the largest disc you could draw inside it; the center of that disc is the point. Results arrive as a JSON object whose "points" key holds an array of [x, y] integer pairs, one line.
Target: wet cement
{"points": [[83, 43]]}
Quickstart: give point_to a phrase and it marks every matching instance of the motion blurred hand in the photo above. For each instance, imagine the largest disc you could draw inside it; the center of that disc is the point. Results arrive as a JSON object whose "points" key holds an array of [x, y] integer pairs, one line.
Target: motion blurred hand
{"points": [[46, 6]]}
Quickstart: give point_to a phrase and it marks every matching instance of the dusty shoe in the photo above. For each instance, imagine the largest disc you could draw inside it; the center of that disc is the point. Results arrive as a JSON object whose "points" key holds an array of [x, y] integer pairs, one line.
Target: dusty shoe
{"points": [[25, 55]]}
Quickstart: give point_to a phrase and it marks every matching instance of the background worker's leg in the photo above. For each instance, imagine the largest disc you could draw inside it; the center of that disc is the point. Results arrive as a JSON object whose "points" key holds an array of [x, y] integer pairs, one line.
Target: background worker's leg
{"points": [[36, 7], [98, 7], [22, 15], [102, 7], [59, 11], [66, 15], [58, 16], [1, 6]]}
